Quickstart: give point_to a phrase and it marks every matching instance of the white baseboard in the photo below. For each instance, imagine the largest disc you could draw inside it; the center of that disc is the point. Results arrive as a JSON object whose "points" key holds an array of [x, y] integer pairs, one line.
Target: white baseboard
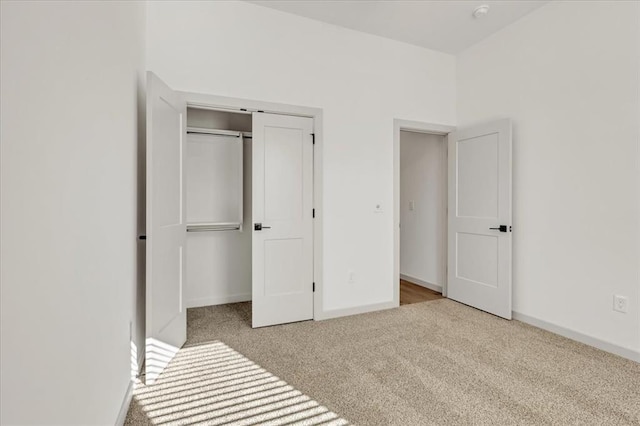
{"points": [[122, 415], [336, 313], [579, 337], [421, 283], [211, 301]]}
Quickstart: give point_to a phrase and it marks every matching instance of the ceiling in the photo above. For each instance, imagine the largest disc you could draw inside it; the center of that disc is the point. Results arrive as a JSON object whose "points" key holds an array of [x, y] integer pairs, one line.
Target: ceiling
{"points": [[447, 26]]}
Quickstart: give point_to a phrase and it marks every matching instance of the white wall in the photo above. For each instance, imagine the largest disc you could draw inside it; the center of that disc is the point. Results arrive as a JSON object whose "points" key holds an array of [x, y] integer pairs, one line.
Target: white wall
{"points": [[568, 75], [361, 81], [69, 175], [422, 181]]}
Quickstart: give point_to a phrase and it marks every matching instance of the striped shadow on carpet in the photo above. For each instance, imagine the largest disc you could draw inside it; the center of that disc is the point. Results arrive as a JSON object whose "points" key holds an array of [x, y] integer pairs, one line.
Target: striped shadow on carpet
{"points": [[213, 384]]}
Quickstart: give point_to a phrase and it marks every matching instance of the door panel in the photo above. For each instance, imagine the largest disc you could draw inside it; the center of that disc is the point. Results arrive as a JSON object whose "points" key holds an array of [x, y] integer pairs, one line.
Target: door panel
{"points": [[283, 153], [284, 267], [477, 258], [477, 194], [479, 200], [282, 250], [166, 321]]}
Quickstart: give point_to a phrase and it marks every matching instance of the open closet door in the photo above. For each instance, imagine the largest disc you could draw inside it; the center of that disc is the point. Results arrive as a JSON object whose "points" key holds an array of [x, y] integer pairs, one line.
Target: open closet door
{"points": [[480, 217], [166, 319], [282, 254]]}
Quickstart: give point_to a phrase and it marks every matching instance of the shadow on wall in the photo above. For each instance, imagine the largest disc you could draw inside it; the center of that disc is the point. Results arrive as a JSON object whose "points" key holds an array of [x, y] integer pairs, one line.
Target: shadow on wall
{"points": [[213, 384], [139, 308]]}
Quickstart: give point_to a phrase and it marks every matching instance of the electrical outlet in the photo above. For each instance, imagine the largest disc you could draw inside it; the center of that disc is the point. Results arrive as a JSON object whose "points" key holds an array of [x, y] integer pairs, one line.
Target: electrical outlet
{"points": [[620, 303], [412, 205], [351, 277], [130, 331]]}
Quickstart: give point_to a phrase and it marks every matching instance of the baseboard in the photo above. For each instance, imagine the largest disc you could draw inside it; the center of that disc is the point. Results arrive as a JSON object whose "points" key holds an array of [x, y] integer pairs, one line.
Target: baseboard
{"points": [[579, 337], [211, 301], [421, 283], [336, 313], [122, 415]]}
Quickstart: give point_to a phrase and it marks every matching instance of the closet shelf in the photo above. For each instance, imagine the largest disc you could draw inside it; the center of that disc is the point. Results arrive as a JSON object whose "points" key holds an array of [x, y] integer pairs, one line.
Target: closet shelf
{"points": [[204, 227]]}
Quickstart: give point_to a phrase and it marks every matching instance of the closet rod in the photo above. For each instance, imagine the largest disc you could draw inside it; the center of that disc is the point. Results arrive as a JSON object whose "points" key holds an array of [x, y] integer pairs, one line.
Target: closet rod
{"points": [[212, 229], [245, 135], [205, 131], [201, 227]]}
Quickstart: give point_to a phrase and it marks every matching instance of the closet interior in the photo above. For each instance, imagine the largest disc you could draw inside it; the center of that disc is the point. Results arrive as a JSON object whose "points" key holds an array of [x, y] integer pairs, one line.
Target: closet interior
{"points": [[218, 207]]}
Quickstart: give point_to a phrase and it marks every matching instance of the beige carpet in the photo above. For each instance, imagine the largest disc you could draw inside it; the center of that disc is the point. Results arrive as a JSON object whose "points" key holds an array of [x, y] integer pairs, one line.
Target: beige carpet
{"points": [[436, 362], [212, 384]]}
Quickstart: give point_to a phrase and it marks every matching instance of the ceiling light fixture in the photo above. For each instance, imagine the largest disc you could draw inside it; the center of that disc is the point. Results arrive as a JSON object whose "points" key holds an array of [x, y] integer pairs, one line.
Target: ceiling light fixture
{"points": [[480, 11]]}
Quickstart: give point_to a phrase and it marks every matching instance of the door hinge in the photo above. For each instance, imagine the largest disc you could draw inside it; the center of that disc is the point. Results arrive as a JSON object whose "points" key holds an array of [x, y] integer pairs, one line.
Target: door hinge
{"points": [[313, 213], [314, 287], [313, 138]]}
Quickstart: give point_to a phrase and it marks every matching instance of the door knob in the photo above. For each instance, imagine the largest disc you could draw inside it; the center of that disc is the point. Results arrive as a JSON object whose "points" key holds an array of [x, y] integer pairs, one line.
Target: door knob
{"points": [[259, 227], [502, 228]]}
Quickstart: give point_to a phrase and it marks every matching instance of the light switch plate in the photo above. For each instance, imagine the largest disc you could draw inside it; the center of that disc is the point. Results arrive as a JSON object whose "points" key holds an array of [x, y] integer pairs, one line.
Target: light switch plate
{"points": [[620, 303]]}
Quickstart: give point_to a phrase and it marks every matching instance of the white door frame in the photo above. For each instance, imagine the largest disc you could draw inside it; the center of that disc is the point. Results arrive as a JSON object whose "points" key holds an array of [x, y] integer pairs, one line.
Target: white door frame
{"points": [[238, 105], [417, 127]]}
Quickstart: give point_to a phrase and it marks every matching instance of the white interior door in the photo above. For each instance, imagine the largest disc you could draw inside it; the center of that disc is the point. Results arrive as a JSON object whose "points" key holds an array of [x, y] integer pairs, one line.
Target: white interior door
{"points": [[282, 253], [166, 319], [479, 265]]}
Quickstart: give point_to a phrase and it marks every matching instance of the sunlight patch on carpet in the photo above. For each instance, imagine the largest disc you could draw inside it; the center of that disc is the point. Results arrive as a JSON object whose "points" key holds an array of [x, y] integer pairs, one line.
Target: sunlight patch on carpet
{"points": [[215, 385]]}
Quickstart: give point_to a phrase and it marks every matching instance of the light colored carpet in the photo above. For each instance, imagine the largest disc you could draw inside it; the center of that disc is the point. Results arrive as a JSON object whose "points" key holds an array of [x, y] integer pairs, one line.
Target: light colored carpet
{"points": [[212, 384], [436, 362]]}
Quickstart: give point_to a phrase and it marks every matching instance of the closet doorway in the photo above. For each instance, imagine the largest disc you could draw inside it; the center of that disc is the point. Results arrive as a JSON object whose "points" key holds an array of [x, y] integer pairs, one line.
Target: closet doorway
{"points": [[249, 205], [232, 212]]}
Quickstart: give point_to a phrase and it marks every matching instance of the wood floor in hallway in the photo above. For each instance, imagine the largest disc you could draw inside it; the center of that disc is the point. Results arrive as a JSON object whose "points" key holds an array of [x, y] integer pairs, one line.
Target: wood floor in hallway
{"points": [[413, 293]]}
